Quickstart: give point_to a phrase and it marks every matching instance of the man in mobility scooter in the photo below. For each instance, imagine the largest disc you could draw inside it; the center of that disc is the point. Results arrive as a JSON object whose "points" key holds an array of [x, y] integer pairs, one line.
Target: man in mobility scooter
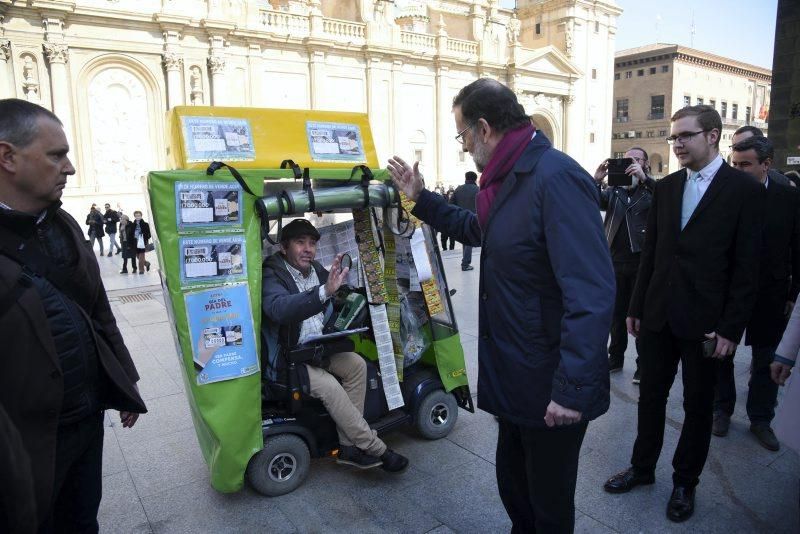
{"points": [[297, 292]]}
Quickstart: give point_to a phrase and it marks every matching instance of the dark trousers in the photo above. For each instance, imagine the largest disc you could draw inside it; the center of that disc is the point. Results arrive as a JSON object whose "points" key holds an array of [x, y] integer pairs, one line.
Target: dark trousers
{"points": [[661, 352], [77, 485], [762, 392], [444, 242], [625, 274], [126, 252], [537, 469], [466, 256]]}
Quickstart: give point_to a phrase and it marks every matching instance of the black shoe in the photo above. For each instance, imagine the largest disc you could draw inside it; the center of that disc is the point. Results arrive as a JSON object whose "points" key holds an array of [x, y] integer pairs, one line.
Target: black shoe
{"points": [[467, 267], [352, 455], [681, 504], [123, 271], [637, 377], [393, 462], [117, 252], [615, 364], [109, 254], [766, 437], [147, 266], [627, 480], [721, 424]]}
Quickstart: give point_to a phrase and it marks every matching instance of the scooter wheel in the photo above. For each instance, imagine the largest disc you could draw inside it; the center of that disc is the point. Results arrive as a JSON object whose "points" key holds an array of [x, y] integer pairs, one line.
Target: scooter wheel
{"points": [[437, 414], [281, 466]]}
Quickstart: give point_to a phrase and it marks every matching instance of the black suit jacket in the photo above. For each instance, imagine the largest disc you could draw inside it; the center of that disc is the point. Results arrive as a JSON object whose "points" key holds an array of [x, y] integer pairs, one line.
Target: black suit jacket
{"points": [[703, 278], [779, 271]]}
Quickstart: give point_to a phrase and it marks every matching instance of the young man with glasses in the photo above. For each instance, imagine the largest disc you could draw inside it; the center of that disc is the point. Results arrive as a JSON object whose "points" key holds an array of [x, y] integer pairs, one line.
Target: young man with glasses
{"points": [[694, 294]]}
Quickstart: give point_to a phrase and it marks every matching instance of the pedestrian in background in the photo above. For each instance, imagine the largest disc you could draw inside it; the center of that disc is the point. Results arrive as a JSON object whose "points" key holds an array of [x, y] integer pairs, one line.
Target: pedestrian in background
{"points": [[111, 218], [464, 197], [128, 247], [94, 220], [138, 234]]}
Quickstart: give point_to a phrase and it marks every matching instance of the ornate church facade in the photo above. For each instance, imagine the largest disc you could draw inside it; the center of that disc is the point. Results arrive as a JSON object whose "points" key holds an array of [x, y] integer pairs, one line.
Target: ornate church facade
{"points": [[110, 69]]}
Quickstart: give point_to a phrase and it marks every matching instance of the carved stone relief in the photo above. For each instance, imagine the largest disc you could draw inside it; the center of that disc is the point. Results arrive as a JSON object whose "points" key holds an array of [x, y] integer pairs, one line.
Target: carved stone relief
{"points": [[120, 127], [30, 78], [196, 85], [56, 53]]}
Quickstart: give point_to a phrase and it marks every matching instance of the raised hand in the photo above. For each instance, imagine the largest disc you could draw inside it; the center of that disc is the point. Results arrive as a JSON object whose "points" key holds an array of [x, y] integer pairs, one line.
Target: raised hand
{"points": [[409, 180]]}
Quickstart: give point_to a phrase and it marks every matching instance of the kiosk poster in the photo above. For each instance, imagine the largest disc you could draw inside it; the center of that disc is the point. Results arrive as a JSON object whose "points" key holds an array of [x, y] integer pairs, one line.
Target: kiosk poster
{"points": [[208, 204], [213, 259], [217, 139], [221, 328], [331, 141]]}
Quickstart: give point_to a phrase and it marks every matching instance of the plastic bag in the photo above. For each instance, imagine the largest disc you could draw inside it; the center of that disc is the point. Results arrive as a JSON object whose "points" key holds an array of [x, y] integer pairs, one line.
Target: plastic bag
{"points": [[411, 334]]}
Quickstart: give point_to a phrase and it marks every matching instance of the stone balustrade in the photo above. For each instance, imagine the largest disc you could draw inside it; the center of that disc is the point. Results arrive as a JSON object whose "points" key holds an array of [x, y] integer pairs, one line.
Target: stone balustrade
{"points": [[417, 41], [460, 47], [282, 23], [344, 30]]}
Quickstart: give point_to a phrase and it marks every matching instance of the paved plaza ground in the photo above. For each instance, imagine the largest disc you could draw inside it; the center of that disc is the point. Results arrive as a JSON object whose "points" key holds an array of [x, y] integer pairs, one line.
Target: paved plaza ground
{"points": [[155, 479]]}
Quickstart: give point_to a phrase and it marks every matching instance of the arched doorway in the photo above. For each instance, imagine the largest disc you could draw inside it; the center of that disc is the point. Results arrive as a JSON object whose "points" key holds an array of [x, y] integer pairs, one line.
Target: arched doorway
{"points": [[657, 168], [544, 125]]}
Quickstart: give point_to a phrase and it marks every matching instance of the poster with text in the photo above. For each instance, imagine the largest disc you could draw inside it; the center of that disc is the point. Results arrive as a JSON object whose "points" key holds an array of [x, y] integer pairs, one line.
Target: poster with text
{"points": [[210, 139], [208, 204], [331, 141], [222, 334], [213, 259]]}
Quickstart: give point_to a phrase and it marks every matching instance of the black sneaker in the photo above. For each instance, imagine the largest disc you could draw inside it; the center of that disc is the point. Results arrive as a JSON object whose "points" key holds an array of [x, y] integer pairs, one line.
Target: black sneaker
{"points": [[467, 267], [637, 377], [123, 271], [352, 455], [615, 364], [393, 462]]}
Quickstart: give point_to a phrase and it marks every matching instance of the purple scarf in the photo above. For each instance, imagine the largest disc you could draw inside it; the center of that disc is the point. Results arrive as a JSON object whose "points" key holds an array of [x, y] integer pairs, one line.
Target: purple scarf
{"points": [[505, 156]]}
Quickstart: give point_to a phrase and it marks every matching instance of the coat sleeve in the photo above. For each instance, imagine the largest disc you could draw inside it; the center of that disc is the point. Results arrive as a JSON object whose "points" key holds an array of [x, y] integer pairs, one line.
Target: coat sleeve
{"points": [[581, 262], [743, 284], [790, 343], [647, 259], [605, 196], [459, 223], [795, 248], [284, 308], [102, 314]]}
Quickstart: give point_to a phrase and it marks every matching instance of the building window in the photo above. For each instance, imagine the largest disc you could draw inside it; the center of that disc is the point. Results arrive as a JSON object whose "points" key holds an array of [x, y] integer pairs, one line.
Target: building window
{"points": [[638, 135], [664, 68], [594, 74], [622, 110], [687, 100], [462, 156], [591, 137], [656, 107], [618, 155], [700, 101], [723, 110], [616, 75], [734, 111], [712, 103], [596, 26], [628, 74], [661, 166], [538, 29], [662, 133], [748, 114], [640, 72], [651, 133], [652, 70], [418, 155]]}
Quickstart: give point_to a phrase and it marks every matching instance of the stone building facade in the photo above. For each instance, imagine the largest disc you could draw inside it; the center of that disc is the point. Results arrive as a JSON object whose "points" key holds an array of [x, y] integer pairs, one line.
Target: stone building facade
{"points": [[654, 81], [110, 69]]}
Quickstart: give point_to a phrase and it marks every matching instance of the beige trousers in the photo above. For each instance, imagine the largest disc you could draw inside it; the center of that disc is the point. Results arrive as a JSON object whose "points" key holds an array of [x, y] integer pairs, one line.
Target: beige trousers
{"points": [[345, 401]]}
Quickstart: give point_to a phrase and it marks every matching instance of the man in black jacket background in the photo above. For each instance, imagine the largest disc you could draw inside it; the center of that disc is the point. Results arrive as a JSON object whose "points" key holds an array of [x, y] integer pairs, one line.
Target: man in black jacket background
{"points": [[111, 218], [778, 286], [626, 210], [464, 197]]}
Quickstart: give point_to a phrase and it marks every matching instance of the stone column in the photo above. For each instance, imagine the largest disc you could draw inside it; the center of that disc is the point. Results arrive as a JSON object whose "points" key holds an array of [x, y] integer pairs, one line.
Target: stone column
{"points": [[173, 64], [443, 123], [57, 55], [256, 75], [396, 111], [6, 83], [216, 65], [317, 76]]}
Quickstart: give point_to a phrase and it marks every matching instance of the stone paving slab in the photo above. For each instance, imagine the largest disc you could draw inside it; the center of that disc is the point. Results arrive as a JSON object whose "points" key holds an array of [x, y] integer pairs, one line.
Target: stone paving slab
{"points": [[155, 479]]}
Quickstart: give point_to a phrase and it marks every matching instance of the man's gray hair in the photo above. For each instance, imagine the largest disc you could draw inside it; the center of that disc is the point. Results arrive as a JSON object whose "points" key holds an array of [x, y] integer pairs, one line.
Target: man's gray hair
{"points": [[18, 121]]}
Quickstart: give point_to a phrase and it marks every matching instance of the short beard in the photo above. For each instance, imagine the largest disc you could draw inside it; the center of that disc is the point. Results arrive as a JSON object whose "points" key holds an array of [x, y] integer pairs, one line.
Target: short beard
{"points": [[480, 155]]}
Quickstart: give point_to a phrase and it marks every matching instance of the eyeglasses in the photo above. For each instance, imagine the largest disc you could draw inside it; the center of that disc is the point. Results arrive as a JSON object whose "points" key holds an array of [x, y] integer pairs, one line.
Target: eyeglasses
{"points": [[460, 135], [684, 137]]}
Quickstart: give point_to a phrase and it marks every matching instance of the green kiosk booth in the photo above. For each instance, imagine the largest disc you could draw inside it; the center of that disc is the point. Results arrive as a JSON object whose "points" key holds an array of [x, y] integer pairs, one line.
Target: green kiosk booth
{"points": [[239, 175]]}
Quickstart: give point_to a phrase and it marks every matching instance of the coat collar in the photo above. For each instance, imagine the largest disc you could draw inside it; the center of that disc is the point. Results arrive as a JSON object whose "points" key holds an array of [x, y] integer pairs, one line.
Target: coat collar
{"points": [[524, 165]]}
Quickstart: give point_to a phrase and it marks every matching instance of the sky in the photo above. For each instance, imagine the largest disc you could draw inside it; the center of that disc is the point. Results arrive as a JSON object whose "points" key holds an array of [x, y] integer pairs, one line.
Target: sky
{"points": [[738, 29]]}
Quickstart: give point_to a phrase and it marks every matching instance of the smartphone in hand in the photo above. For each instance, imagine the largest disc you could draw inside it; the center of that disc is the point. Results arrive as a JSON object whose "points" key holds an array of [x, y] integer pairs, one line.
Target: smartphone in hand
{"points": [[709, 346]]}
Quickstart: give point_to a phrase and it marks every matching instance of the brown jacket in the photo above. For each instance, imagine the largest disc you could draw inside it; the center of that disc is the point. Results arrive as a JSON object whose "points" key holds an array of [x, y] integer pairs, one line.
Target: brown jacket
{"points": [[31, 385]]}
